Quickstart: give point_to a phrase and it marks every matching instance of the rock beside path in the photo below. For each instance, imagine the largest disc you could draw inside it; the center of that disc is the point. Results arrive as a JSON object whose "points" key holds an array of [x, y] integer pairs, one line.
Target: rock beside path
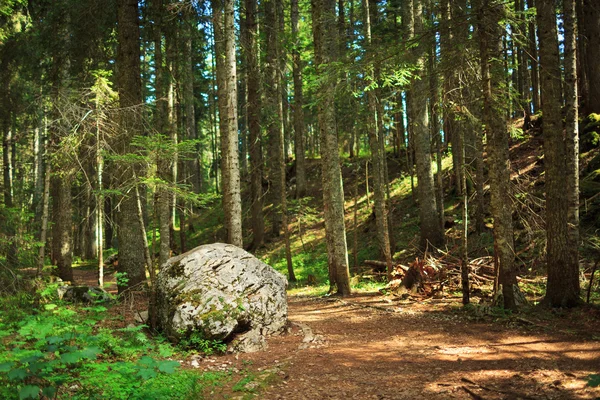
{"points": [[224, 293]]}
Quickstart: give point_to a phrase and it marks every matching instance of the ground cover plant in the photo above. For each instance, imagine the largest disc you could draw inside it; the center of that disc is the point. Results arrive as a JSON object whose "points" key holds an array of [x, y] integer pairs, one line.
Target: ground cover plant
{"points": [[53, 349]]}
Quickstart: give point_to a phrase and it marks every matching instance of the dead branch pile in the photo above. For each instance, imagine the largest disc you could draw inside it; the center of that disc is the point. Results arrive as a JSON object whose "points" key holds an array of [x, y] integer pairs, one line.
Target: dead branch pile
{"points": [[431, 276]]}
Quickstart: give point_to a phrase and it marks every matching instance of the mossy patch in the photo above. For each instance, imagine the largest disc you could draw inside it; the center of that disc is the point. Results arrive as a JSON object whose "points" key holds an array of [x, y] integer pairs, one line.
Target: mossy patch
{"points": [[177, 270]]}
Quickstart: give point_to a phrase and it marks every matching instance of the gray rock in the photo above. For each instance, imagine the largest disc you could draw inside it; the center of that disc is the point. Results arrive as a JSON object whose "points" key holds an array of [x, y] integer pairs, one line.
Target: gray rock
{"points": [[224, 293], [83, 294], [142, 317]]}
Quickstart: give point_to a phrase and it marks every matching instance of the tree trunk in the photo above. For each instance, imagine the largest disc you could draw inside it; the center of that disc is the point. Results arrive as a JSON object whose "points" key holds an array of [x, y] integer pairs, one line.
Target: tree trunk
{"points": [[254, 130], [563, 274], [572, 130], [298, 112], [8, 167], [44, 221], [223, 22], [192, 167], [273, 111], [592, 62], [533, 54], [164, 166], [131, 244], [377, 152], [494, 106], [62, 235], [431, 231], [324, 34]]}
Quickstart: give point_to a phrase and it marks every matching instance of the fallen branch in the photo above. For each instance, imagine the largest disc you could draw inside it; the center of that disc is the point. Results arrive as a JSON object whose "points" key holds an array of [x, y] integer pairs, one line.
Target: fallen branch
{"points": [[513, 395], [377, 263], [472, 393]]}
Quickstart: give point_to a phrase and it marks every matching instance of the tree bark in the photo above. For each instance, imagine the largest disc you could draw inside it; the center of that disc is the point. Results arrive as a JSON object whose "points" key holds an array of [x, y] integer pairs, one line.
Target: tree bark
{"points": [[592, 62], [572, 129], [254, 129], [323, 12], [223, 22], [129, 86], [533, 54], [62, 235], [431, 231], [377, 151], [298, 111], [274, 122], [494, 111], [563, 275]]}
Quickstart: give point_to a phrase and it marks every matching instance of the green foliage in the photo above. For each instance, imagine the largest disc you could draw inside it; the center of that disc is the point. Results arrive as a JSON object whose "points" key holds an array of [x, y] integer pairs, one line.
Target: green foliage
{"points": [[60, 351], [516, 133], [121, 278], [243, 384], [594, 380], [195, 341]]}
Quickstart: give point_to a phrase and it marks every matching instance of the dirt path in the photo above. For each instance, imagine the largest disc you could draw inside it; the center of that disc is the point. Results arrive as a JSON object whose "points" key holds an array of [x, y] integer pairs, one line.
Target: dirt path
{"points": [[360, 352]]}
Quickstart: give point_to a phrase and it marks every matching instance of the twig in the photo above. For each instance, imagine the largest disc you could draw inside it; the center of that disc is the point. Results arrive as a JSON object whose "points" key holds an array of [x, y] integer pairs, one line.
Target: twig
{"points": [[507, 392], [589, 291], [472, 393]]}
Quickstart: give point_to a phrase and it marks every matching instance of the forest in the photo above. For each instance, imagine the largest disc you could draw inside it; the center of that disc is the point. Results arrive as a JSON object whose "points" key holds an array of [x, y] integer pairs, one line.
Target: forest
{"points": [[425, 173]]}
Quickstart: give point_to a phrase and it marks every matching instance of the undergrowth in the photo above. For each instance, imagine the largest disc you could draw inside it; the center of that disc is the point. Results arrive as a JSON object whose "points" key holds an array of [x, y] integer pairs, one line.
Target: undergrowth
{"points": [[51, 349]]}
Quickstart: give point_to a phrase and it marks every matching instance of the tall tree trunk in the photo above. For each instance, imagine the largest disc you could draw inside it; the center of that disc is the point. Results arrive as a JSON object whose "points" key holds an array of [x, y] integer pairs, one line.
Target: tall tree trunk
{"points": [[572, 130], [533, 54], [44, 221], [592, 62], [187, 82], [377, 152], [563, 274], [8, 167], [62, 234], [490, 41], [223, 22], [431, 231], [298, 111], [129, 86], [273, 110], [323, 12], [582, 80], [253, 111], [164, 166]]}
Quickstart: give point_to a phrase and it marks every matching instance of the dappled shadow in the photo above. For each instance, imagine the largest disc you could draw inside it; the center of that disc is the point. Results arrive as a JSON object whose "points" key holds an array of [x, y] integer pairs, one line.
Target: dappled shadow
{"points": [[370, 353]]}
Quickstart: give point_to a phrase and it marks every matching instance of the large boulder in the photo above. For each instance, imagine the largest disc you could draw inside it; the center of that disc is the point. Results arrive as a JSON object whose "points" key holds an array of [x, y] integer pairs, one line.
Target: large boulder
{"points": [[224, 293]]}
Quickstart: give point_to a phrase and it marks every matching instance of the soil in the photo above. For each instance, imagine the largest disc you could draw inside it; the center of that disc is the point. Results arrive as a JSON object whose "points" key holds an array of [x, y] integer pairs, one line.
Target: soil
{"points": [[382, 347], [369, 346]]}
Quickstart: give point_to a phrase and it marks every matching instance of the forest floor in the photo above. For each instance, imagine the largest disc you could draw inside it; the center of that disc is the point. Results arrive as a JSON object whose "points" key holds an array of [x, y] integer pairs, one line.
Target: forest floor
{"points": [[380, 346], [370, 346], [383, 346]]}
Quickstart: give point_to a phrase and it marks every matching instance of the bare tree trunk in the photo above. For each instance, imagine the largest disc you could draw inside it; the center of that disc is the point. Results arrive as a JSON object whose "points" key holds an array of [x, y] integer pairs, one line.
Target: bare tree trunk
{"points": [[298, 112], [572, 130], [563, 272], [131, 254], [44, 220], [164, 166], [273, 111], [592, 62], [62, 235], [431, 232], [253, 111], [377, 153], [323, 12], [187, 82], [490, 39], [223, 22], [8, 168], [533, 54]]}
